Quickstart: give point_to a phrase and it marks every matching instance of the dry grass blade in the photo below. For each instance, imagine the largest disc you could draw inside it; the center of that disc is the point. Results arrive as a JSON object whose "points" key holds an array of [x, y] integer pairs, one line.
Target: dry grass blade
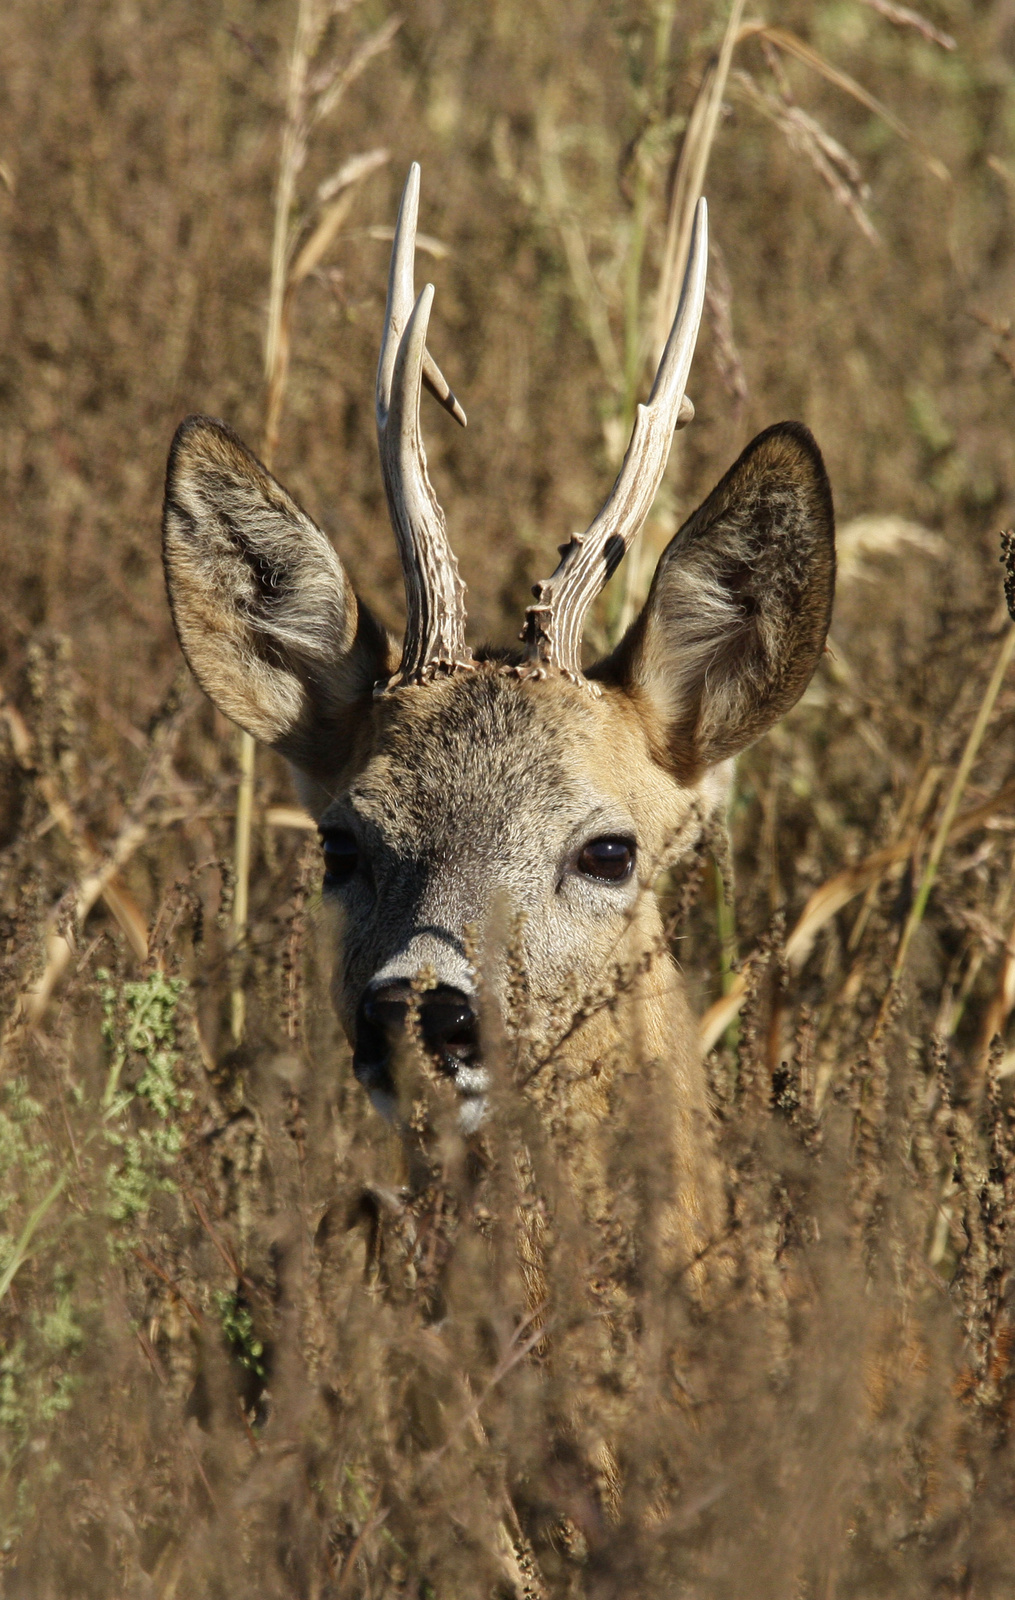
{"points": [[833, 164], [719, 301], [861, 540], [689, 179], [827, 901], [293, 154], [904, 17], [1002, 170], [384, 233], [336, 198], [23, 1244], [289, 817], [784, 40], [345, 75], [561, 209], [954, 799]]}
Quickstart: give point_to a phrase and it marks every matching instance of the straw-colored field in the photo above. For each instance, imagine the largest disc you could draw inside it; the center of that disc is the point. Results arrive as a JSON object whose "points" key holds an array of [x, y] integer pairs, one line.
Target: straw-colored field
{"points": [[239, 1357]]}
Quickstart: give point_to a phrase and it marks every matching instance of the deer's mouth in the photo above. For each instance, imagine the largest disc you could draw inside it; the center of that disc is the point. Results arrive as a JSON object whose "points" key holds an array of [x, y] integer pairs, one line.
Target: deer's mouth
{"points": [[449, 1028]]}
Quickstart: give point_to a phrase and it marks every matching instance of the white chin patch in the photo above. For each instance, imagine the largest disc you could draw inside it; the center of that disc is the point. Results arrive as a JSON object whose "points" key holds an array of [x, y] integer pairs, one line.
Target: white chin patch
{"points": [[472, 1084], [472, 1113]]}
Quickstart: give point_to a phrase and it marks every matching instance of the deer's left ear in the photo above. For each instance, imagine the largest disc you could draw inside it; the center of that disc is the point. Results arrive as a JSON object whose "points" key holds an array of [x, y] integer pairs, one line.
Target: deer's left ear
{"points": [[738, 610]]}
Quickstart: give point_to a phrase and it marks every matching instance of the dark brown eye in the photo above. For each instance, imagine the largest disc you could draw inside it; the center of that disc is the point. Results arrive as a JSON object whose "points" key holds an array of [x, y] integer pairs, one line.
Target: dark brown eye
{"points": [[341, 857], [610, 858]]}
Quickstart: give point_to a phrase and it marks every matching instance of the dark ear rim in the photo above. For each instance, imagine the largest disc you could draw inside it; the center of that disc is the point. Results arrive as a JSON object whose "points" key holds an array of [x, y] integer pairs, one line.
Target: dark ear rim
{"points": [[198, 423], [617, 670]]}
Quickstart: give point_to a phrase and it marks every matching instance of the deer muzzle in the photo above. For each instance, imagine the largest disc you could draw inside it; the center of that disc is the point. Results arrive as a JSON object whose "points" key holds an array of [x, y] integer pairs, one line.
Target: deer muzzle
{"points": [[449, 1030]]}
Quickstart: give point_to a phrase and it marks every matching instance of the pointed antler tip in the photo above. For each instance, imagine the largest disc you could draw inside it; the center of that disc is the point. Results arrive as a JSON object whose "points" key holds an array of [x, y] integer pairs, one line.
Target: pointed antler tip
{"points": [[588, 560], [434, 642]]}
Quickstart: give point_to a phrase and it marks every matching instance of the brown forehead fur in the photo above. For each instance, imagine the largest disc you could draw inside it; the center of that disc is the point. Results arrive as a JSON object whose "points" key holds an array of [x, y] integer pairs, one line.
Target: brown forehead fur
{"points": [[491, 744]]}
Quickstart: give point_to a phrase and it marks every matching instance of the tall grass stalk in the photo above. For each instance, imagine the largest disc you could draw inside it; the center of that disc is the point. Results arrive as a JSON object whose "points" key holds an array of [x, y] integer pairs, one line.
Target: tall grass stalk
{"points": [[688, 184], [276, 365], [312, 92], [951, 805]]}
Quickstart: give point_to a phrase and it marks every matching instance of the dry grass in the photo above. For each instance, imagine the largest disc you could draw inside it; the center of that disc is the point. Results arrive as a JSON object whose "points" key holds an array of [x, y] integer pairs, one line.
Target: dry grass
{"points": [[239, 1353]]}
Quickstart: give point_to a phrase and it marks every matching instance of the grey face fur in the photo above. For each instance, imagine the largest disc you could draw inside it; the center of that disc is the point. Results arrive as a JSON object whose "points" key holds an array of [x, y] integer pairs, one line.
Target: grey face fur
{"points": [[486, 833], [465, 802]]}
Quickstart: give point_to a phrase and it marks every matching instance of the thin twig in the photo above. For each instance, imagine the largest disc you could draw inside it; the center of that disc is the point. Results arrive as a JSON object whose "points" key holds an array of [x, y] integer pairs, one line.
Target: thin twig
{"points": [[225, 1251], [373, 1522], [241, 868], [115, 894], [517, 1351]]}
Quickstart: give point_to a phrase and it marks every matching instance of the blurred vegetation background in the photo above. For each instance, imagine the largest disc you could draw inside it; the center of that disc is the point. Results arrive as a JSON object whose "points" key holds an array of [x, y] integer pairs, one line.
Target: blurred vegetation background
{"points": [[194, 1396]]}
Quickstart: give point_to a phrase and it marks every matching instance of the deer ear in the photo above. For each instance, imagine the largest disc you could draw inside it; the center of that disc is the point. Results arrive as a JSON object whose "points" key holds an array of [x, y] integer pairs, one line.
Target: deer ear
{"points": [[739, 607], [265, 615]]}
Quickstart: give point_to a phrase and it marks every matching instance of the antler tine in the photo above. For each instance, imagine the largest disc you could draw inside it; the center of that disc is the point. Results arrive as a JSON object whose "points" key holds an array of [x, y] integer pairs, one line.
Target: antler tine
{"points": [[434, 592], [553, 626], [401, 295]]}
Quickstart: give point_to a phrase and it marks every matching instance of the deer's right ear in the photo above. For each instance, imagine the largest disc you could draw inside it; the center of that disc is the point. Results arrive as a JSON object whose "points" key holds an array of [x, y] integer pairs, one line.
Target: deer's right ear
{"points": [[736, 618], [265, 615]]}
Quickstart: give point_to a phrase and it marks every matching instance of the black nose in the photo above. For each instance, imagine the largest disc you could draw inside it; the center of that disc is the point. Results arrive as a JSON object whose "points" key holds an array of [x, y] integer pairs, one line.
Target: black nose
{"points": [[447, 1020]]}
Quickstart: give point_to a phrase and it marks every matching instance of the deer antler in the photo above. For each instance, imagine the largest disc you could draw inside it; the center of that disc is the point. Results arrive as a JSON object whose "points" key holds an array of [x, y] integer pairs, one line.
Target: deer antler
{"points": [[553, 626], [434, 640]]}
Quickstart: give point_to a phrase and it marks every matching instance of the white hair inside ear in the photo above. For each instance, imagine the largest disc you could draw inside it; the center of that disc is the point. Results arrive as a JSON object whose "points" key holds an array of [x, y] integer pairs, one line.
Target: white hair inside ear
{"points": [[716, 787]]}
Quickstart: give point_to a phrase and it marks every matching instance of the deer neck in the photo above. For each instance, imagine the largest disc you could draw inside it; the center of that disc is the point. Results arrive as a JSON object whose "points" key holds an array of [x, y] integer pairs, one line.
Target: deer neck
{"points": [[630, 1070]]}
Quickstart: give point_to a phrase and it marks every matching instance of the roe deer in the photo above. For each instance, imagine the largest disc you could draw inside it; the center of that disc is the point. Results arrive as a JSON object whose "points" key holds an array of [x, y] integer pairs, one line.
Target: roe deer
{"points": [[446, 783]]}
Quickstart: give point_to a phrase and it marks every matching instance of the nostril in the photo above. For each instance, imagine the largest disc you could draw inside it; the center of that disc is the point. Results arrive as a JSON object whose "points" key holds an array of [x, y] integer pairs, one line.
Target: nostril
{"points": [[447, 1021], [386, 1009], [449, 1026], [379, 1020], [451, 1029], [460, 1038]]}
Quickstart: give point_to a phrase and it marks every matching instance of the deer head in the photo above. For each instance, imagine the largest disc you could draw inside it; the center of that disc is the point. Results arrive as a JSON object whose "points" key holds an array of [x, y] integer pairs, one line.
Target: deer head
{"points": [[447, 784]]}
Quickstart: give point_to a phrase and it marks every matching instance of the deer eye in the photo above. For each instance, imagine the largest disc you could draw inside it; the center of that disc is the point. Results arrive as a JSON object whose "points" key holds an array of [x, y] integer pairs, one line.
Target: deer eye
{"points": [[341, 857], [610, 859]]}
